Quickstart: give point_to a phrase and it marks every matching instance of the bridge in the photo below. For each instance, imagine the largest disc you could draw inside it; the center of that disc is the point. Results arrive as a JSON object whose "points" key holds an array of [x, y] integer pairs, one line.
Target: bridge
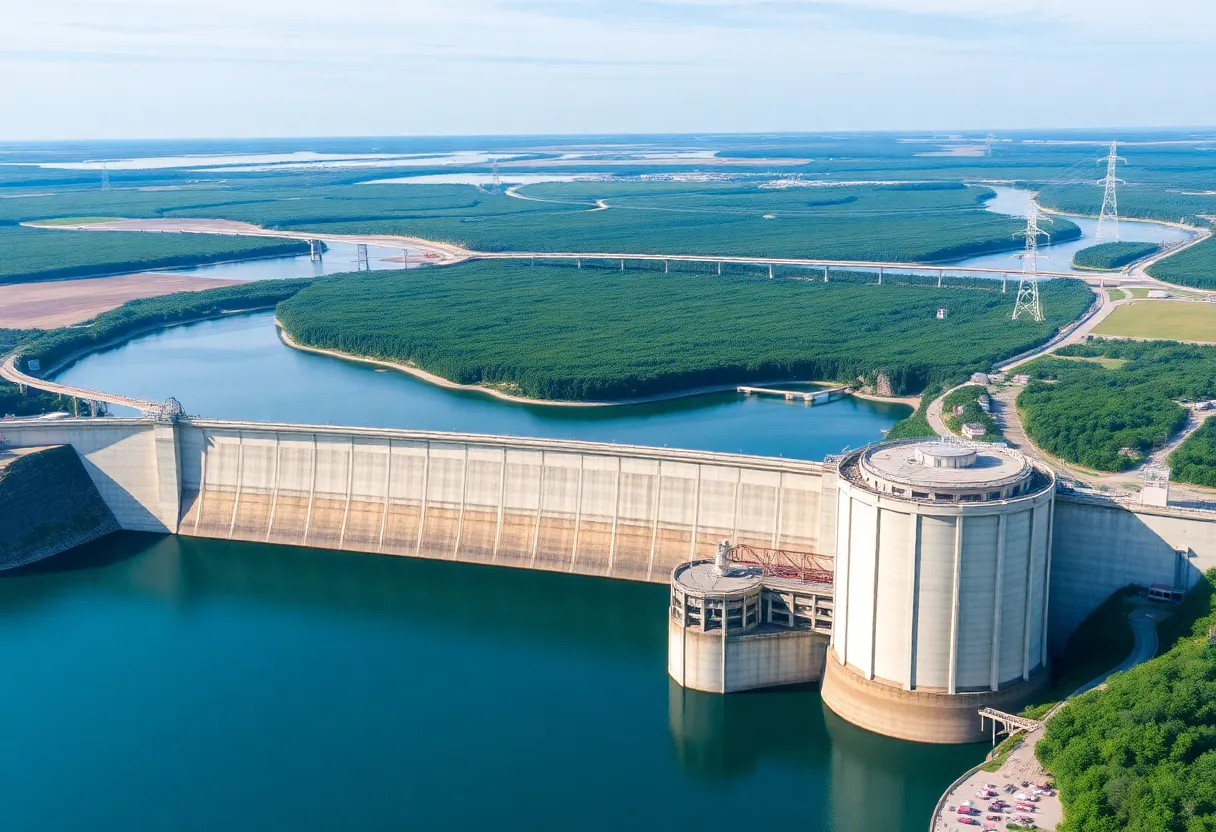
{"points": [[1008, 722], [879, 266], [448, 253], [10, 372], [808, 396]]}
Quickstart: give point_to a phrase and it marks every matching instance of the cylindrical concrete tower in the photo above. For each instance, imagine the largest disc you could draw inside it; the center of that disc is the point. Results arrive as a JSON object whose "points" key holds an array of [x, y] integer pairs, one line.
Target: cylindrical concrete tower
{"points": [[942, 558]]}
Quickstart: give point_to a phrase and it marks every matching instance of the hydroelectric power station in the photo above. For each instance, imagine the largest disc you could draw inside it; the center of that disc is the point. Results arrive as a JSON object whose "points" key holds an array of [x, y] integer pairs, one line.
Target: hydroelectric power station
{"points": [[918, 581]]}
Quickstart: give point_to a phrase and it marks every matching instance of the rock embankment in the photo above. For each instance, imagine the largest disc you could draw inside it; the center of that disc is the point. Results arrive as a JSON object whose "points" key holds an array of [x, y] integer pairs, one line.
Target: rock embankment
{"points": [[48, 505]]}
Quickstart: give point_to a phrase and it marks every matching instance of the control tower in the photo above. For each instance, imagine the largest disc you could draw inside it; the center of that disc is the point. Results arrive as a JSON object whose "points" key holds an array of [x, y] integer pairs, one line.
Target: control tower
{"points": [[942, 559]]}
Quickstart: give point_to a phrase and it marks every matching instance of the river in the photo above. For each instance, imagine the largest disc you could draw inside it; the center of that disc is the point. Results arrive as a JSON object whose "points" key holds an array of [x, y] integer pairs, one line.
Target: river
{"points": [[188, 684]]}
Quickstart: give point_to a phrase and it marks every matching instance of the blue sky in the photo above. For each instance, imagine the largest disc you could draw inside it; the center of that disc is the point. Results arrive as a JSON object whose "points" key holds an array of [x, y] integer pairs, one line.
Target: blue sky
{"points": [[200, 68]]}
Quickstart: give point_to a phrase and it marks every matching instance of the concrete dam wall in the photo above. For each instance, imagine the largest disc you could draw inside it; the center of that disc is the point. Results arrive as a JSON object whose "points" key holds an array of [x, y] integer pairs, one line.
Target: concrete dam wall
{"points": [[593, 509], [48, 504], [581, 507]]}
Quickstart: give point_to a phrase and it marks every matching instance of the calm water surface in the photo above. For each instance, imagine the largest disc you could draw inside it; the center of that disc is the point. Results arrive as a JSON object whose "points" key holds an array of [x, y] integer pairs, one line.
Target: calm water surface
{"points": [[185, 684], [236, 368]]}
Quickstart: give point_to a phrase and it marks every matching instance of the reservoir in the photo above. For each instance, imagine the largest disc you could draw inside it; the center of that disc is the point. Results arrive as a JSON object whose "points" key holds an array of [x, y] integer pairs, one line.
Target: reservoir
{"points": [[190, 683], [194, 684], [237, 368]]}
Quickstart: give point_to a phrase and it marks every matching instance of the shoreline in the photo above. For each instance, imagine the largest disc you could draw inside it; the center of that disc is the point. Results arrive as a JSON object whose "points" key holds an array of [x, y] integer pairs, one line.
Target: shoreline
{"points": [[439, 381]]}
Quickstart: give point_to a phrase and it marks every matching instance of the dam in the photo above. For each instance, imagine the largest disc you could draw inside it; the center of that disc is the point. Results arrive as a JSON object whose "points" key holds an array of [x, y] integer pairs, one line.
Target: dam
{"points": [[643, 514]]}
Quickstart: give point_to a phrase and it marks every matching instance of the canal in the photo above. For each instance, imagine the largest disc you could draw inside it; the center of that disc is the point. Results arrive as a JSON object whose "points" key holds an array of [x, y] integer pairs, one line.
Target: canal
{"points": [[179, 683]]}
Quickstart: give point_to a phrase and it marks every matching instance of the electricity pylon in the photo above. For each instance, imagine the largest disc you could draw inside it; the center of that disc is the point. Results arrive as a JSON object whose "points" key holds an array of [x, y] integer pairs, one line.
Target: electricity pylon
{"points": [[105, 177], [1110, 204], [1028, 304]]}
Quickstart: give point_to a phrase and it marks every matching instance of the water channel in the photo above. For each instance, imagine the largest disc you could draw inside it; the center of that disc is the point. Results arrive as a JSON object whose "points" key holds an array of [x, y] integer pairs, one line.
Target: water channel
{"points": [[196, 684]]}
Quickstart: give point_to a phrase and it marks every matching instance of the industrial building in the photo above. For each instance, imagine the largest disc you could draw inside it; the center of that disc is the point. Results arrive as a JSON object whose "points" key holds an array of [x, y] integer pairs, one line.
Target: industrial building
{"points": [[943, 553]]}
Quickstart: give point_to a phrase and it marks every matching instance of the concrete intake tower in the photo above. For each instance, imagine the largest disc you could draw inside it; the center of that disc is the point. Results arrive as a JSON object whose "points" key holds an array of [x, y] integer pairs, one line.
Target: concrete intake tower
{"points": [[934, 599], [943, 554]]}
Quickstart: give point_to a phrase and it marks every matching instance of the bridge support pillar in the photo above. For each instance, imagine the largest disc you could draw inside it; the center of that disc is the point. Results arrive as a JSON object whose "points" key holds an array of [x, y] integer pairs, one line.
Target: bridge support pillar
{"points": [[315, 250], [880, 275], [940, 274], [825, 274]]}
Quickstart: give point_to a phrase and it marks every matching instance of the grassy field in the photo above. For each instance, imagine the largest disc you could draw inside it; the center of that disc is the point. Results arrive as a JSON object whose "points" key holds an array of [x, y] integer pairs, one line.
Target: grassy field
{"points": [[49, 254], [1168, 320], [555, 332]]}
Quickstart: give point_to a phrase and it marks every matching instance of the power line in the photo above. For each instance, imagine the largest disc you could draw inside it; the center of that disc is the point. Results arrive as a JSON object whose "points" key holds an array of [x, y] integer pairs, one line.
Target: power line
{"points": [[1027, 303], [1110, 203]]}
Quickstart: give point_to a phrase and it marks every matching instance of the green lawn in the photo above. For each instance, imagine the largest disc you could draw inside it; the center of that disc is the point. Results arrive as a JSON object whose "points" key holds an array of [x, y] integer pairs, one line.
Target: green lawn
{"points": [[1171, 320]]}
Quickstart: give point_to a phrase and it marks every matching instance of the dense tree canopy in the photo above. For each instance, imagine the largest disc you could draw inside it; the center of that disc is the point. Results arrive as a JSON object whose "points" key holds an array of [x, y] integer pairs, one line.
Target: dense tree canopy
{"points": [[557, 332], [1140, 755], [1089, 402]]}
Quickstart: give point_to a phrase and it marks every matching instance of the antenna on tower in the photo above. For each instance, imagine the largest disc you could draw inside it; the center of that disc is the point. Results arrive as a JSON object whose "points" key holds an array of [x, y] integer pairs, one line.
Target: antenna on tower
{"points": [[1110, 204], [105, 177], [1027, 303]]}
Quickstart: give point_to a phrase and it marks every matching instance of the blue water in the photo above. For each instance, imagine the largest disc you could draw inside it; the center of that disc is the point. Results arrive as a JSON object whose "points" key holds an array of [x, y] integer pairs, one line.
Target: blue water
{"points": [[237, 368], [162, 683]]}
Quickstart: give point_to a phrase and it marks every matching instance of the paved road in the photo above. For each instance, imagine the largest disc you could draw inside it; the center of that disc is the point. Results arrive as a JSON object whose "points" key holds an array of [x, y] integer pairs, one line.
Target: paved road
{"points": [[1021, 765]]}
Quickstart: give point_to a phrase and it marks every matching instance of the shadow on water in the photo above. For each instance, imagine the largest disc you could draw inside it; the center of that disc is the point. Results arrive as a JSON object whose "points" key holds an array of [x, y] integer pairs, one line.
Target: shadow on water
{"points": [[870, 782], [106, 551]]}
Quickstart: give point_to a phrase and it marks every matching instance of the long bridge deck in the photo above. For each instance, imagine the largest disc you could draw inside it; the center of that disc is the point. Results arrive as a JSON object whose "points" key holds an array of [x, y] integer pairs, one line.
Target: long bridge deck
{"points": [[9, 371]]}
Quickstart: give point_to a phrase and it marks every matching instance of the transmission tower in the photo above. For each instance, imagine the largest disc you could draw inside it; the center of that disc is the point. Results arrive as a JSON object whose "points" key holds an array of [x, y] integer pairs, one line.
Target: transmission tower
{"points": [[496, 183], [1027, 304], [988, 144], [1110, 204], [105, 177]]}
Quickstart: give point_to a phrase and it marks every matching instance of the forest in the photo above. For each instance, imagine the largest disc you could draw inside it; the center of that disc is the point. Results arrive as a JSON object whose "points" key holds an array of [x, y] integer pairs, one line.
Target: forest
{"points": [[1139, 755], [51, 254], [1195, 459], [1194, 266], [1106, 404], [967, 398], [58, 345], [925, 222], [1110, 256], [557, 332]]}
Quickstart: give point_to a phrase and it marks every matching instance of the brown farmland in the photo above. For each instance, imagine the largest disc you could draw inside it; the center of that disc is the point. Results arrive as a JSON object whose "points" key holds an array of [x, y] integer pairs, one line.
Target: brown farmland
{"points": [[53, 303]]}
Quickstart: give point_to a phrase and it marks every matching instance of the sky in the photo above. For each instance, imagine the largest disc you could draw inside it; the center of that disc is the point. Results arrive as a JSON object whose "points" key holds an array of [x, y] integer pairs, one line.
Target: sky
{"points": [[78, 69]]}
